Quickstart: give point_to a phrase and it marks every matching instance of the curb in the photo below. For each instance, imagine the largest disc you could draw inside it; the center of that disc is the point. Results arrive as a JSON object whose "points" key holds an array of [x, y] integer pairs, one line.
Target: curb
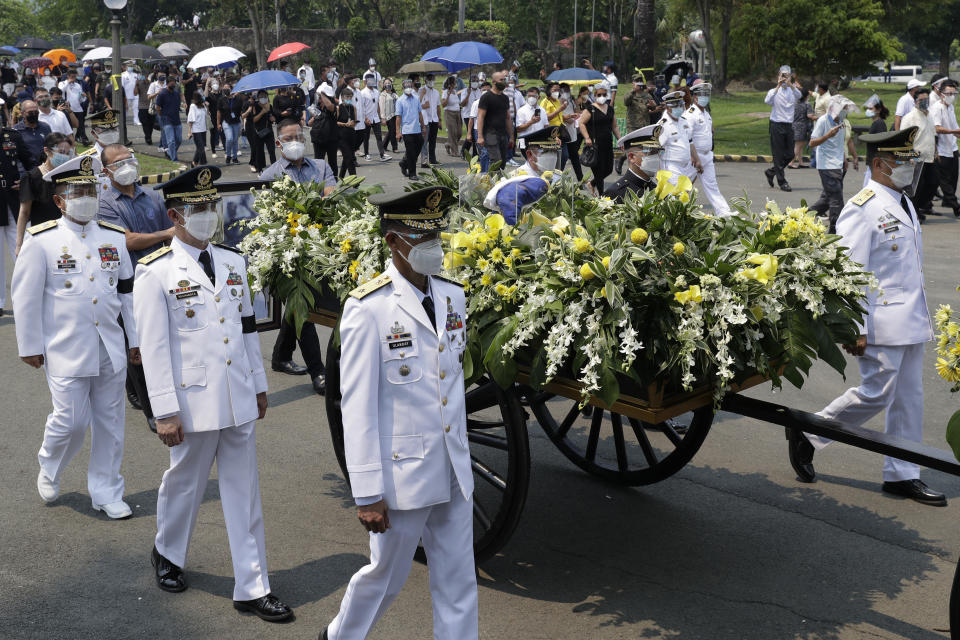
{"points": [[157, 178], [726, 157]]}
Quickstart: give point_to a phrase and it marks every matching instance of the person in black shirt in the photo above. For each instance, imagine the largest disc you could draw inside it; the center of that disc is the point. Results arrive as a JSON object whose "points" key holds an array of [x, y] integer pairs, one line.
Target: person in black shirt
{"points": [[288, 105], [494, 125], [12, 151], [324, 130], [189, 86], [346, 121], [213, 107], [36, 194], [229, 114], [258, 119]]}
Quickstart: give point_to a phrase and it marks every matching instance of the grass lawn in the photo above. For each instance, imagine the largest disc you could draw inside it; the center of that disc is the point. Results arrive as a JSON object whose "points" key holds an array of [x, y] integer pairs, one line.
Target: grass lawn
{"points": [[149, 165]]}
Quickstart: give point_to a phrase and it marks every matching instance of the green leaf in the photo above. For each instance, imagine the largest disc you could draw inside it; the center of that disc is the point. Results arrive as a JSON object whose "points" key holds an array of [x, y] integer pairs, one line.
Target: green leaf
{"points": [[953, 434], [502, 368], [538, 369], [609, 386]]}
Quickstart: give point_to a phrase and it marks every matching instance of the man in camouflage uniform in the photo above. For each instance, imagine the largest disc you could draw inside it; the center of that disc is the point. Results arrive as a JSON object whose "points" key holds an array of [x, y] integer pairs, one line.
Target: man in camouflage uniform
{"points": [[639, 102]]}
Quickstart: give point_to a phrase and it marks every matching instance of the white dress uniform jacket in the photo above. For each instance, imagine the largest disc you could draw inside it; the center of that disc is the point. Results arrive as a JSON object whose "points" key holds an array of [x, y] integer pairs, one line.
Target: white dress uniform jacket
{"points": [[198, 362], [67, 295], [675, 138], [396, 367], [701, 124]]}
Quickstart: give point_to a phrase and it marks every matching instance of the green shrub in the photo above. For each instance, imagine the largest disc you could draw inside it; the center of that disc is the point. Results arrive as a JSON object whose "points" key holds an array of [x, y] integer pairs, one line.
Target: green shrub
{"points": [[357, 28]]}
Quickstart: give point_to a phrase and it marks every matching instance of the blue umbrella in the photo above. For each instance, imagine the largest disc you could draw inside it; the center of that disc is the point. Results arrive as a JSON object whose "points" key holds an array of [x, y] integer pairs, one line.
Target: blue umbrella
{"points": [[7, 50], [576, 75], [463, 55], [270, 79], [434, 56]]}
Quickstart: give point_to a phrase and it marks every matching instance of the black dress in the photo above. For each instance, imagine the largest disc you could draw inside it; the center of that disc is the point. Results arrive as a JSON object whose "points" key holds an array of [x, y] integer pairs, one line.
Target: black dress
{"points": [[33, 188], [878, 126], [347, 138], [600, 128]]}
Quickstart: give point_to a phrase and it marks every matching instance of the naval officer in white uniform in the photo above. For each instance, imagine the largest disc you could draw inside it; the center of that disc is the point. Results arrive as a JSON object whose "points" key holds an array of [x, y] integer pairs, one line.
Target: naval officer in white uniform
{"points": [[702, 124], [207, 387], [72, 280], [880, 228], [403, 337], [679, 154]]}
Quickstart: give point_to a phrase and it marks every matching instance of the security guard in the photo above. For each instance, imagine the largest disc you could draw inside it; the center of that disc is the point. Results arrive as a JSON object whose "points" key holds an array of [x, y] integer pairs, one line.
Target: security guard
{"points": [[72, 280], [702, 124], [642, 149], [103, 125], [541, 150], [880, 227], [676, 137], [639, 103], [207, 387], [403, 336], [13, 151]]}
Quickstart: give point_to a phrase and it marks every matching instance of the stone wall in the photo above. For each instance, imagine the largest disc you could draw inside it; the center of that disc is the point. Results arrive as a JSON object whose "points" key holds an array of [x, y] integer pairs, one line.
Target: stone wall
{"points": [[412, 44]]}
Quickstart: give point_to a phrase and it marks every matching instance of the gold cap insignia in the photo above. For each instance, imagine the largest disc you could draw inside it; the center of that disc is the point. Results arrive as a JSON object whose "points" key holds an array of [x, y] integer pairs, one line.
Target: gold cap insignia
{"points": [[86, 166], [433, 203], [108, 116], [204, 179]]}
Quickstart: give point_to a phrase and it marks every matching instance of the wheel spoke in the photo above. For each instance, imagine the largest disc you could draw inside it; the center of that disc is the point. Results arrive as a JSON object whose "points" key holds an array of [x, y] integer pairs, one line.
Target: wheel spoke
{"points": [[482, 397], [568, 421], [595, 424], [648, 451], [622, 463], [481, 515], [488, 474], [488, 440], [483, 424], [671, 433]]}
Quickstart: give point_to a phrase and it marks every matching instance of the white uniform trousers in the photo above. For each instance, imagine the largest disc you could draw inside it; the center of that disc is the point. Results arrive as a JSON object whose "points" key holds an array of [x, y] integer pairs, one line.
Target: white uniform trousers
{"points": [[447, 533], [181, 492], [96, 403], [8, 236], [709, 186], [892, 379], [133, 106], [680, 168]]}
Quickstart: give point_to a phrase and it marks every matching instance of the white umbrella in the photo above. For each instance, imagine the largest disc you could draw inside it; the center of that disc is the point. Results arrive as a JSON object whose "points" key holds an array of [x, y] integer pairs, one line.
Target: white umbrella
{"points": [[99, 53], [174, 49], [214, 57]]}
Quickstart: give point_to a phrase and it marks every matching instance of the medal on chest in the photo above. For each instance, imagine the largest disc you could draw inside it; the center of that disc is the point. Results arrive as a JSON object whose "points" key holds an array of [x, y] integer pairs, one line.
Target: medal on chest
{"points": [[454, 321], [185, 290], [399, 338], [66, 263], [233, 278]]}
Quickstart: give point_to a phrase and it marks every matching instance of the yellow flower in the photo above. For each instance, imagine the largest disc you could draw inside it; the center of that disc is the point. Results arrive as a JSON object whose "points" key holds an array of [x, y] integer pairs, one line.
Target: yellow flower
{"points": [[515, 252], [586, 272], [494, 222], [606, 262], [581, 245], [461, 240], [508, 261], [294, 230], [766, 268], [690, 295], [947, 371], [638, 236], [482, 263], [504, 291], [548, 176], [345, 246], [560, 225], [452, 259], [485, 279], [496, 254], [666, 188], [678, 248], [353, 269]]}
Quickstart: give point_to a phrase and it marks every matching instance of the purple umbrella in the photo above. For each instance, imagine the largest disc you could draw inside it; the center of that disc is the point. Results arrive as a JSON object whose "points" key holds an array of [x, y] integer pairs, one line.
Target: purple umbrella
{"points": [[36, 63]]}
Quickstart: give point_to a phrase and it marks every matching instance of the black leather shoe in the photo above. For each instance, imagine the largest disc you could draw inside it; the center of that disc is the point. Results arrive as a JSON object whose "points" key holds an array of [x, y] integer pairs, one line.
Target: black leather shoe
{"points": [[169, 576], [769, 174], [786, 187], [268, 607], [290, 367], [1, 312], [133, 399], [320, 384], [801, 455], [916, 490], [152, 423]]}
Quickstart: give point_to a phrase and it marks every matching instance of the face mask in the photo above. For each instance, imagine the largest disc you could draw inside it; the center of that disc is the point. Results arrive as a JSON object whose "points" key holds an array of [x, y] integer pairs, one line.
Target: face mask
{"points": [[202, 225], [162, 79], [547, 161], [950, 99], [474, 85], [356, 84], [408, 91], [869, 113], [347, 101], [500, 86], [292, 150], [44, 102], [555, 95], [32, 118], [83, 209], [601, 99], [47, 72], [373, 67], [650, 164], [59, 158], [108, 137], [264, 100], [371, 83], [901, 175], [388, 88], [330, 77], [531, 100], [125, 175], [676, 112], [214, 86], [425, 258], [840, 117], [703, 100], [924, 104], [430, 84]]}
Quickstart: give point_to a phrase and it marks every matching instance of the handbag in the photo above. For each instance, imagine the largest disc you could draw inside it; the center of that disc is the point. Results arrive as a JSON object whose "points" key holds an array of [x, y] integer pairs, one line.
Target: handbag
{"points": [[265, 132], [588, 157]]}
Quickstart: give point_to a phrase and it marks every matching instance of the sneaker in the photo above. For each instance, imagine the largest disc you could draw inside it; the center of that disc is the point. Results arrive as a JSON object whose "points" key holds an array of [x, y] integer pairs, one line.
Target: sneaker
{"points": [[424, 165], [48, 489], [213, 154], [368, 158], [385, 158], [118, 510], [161, 149]]}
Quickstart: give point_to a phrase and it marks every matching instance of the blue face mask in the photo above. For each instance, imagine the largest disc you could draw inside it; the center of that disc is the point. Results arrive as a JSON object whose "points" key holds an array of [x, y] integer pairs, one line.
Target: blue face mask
{"points": [[59, 158], [347, 101], [703, 100], [676, 112]]}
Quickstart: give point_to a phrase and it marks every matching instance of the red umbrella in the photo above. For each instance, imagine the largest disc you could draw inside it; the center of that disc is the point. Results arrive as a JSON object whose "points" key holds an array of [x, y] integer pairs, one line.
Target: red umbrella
{"points": [[288, 49]]}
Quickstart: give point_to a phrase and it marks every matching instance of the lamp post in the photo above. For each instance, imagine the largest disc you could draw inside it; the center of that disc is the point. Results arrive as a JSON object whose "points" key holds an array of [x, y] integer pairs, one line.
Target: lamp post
{"points": [[73, 44], [116, 6]]}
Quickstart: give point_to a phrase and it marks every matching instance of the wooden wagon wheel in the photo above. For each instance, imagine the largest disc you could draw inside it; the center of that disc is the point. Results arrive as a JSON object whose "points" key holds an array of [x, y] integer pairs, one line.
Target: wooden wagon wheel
{"points": [[617, 448], [500, 452]]}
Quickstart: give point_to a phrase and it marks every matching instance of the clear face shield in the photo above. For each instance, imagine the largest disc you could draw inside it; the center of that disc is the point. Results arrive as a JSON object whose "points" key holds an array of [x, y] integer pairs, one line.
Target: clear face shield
{"points": [[904, 173], [645, 159], [203, 220], [546, 159]]}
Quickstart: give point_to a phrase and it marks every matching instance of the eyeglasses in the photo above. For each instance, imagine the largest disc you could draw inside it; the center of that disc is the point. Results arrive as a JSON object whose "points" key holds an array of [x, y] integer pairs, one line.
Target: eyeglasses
{"points": [[124, 162]]}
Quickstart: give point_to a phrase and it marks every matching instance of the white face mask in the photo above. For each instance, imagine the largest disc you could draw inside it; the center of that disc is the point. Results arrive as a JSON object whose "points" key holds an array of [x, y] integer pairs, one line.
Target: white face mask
{"points": [[531, 100], [950, 99], [703, 100], [108, 137], [547, 160], [676, 112], [601, 99], [650, 164], [356, 84], [202, 225], [214, 86], [901, 175], [474, 85], [125, 175], [430, 84], [292, 150], [83, 209], [555, 95], [425, 258], [408, 91], [869, 113]]}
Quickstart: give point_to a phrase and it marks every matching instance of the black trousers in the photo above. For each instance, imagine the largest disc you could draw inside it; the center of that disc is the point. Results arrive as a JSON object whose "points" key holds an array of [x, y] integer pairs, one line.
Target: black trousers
{"points": [[412, 143], [392, 134], [259, 149], [216, 136], [375, 128], [573, 153], [469, 142], [348, 149], [831, 198], [309, 346], [947, 167], [326, 150], [431, 142], [781, 146], [147, 122], [81, 117], [929, 181]]}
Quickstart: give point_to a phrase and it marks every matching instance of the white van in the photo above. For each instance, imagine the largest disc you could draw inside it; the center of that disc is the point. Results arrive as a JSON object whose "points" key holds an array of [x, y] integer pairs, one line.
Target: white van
{"points": [[898, 73]]}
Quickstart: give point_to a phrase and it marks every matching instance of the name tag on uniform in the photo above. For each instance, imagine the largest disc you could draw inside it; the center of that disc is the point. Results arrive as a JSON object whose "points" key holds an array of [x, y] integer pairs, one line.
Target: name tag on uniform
{"points": [[399, 338], [895, 227], [400, 344], [185, 290], [66, 263]]}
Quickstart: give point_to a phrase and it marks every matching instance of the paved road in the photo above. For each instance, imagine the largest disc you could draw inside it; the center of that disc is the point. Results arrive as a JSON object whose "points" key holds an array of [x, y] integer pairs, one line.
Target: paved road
{"points": [[732, 547]]}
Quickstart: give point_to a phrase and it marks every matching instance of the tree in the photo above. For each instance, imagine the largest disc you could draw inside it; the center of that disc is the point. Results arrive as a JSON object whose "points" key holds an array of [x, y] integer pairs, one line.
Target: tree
{"points": [[644, 25], [17, 19], [717, 13], [928, 24]]}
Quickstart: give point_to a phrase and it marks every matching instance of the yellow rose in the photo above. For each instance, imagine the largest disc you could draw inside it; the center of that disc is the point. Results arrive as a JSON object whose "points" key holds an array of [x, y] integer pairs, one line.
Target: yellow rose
{"points": [[606, 262], [581, 245], [678, 248], [586, 272], [690, 295], [494, 222]]}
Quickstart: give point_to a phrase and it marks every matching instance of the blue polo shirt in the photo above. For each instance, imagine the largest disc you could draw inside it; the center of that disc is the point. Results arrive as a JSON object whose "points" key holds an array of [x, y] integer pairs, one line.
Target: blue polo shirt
{"points": [[169, 104], [309, 171], [408, 108], [143, 213], [33, 137], [830, 154]]}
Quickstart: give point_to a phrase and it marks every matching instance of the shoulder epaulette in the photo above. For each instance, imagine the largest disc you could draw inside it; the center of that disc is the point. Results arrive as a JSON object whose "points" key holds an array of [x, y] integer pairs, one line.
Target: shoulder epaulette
{"points": [[92, 151], [861, 198], [450, 280], [150, 257], [111, 226], [692, 110], [40, 228], [369, 287], [227, 247]]}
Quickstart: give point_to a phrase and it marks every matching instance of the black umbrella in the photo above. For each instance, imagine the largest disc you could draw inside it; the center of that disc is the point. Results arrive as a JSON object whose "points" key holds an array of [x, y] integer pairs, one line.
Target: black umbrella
{"points": [[93, 43], [139, 52], [34, 43]]}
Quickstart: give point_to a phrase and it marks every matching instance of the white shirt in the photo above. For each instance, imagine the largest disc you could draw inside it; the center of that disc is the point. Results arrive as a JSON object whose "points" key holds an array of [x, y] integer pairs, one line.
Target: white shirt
{"points": [[129, 81], [904, 105], [474, 108], [57, 121], [472, 100], [525, 115], [371, 102], [675, 138], [612, 81], [925, 142], [702, 124], [360, 105], [944, 116], [783, 100], [197, 119], [47, 82], [451, 100], [429, 101], [309, 78], [72, 91]]}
